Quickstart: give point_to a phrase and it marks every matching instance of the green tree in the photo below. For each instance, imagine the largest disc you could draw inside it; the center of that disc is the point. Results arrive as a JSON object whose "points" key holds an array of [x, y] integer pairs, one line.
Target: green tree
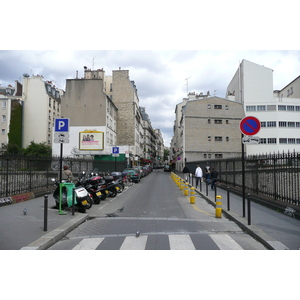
{"points": [[40, 149]]}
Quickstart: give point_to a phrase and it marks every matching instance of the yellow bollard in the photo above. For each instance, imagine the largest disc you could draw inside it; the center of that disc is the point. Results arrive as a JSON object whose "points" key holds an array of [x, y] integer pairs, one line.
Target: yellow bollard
{"points": [[218, 206], [192, 195], [186, 189], [181, 184]]}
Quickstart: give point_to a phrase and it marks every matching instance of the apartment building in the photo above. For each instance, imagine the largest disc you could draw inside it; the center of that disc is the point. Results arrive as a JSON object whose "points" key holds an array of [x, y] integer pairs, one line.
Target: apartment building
{"points": [[208, 128], [41, 106], [10, 101], [129, 119], [92, 114], [149, 154], [159, 148], [277, 110]]}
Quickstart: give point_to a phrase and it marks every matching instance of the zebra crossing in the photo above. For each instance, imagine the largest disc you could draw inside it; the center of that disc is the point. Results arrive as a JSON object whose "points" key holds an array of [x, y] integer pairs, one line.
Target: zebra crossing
{"points": [[199, 241]]}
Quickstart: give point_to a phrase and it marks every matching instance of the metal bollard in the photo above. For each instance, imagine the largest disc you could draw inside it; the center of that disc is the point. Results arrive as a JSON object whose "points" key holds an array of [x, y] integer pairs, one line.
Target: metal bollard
{"points": [[192, 195], [218, 206], [45, 212]]}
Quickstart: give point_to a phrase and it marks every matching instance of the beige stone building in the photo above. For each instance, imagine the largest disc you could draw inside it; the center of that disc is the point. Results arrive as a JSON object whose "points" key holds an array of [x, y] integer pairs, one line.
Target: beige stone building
{"points": [[208, 128], [129, 120]]}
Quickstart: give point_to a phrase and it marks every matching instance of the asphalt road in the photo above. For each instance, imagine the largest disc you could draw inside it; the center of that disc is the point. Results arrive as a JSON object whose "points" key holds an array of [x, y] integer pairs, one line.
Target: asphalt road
{"points": [[156, 216]]}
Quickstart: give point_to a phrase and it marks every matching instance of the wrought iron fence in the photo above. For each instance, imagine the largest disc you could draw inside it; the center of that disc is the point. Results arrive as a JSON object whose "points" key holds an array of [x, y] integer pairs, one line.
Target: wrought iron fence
{"points": [[21, 174], [273, 175]]}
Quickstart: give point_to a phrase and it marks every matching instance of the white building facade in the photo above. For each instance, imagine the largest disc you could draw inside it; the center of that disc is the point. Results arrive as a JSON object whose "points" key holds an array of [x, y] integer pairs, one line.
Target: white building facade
{"points": [[278, 111], [41, 106]]}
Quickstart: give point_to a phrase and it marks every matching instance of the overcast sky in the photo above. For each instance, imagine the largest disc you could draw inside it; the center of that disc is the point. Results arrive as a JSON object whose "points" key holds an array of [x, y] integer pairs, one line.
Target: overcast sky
{"points": [[160, 76], [136, 26]]}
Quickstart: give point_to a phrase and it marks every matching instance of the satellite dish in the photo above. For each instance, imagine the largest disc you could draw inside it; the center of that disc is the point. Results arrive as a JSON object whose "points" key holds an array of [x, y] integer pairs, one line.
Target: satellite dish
{"points": [[26, 75]]}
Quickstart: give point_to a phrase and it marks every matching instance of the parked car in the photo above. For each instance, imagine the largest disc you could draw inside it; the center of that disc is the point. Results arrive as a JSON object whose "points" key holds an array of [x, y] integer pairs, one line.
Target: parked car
{"points": [[140, 168], [133, 173], [167, 168]]}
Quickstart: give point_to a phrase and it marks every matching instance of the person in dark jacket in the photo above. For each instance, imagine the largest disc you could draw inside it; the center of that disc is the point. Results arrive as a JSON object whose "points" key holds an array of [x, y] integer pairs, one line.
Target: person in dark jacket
{"points": [[186, 172], [214, 177]]}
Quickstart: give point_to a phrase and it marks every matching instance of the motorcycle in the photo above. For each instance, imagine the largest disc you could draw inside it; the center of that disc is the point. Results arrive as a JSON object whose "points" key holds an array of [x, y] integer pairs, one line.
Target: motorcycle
{"points": [[109, 186], [119, 179], [82, 198], [92, 186]]}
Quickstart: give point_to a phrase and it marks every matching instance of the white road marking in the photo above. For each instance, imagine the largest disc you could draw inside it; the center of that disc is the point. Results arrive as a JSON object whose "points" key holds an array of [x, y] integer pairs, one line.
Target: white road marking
{"points": [[181, 242], [225, 242], [88, 244]]}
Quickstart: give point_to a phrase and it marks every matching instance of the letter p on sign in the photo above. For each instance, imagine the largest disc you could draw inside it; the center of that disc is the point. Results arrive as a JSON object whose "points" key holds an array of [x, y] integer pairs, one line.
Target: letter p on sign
{"points": [[62, 125]]}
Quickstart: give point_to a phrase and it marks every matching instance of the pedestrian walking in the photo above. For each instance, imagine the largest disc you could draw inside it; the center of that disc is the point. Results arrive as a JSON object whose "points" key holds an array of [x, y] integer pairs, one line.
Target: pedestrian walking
{"points": [[214, 177], [207, 173], [198, 175], [186, 172]]}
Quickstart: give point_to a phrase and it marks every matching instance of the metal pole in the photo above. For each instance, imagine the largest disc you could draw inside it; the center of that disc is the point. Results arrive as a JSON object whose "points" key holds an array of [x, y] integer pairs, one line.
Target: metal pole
{"points": [[45, 212], [73, 202], [249, 209], [228, 199], [206, 188], [60, 162], [215, 193], [243, 177]]}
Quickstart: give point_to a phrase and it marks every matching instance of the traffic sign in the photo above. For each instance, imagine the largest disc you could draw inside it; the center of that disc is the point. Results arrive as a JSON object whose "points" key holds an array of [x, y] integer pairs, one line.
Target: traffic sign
{"points": [[61, 135], [250, 140], [61, 140], [62, 125], [115, 150], [250, 125]]}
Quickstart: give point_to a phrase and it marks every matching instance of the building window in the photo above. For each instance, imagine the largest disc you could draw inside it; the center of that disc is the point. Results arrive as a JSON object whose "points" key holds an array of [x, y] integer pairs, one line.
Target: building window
{"points": [[208, 121], [209, 138], [290, 108], [282, 141], [218, 121], [218, 138], [263, 141], [208, 106], [227, 121], [297, 108], [271, 107], [281, 107], [297, 124], [2, 131], [291, 124], [218, 155], [4, 104], [271, 124], [271, 140], [291, 141], [282, 124], [261, 107], [217, 106], [3, 118], [297, 141], [251, 108], [227, 138], [263, 124], [226, 107]]}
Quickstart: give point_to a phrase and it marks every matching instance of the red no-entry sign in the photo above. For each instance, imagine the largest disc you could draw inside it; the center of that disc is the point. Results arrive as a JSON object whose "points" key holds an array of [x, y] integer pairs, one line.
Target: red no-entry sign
{"points": [[250, 125]]}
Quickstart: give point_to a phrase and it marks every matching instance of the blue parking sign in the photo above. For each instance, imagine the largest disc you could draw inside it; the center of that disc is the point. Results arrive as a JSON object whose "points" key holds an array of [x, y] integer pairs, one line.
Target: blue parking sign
{"points": [[62, 125], [115, 150]]}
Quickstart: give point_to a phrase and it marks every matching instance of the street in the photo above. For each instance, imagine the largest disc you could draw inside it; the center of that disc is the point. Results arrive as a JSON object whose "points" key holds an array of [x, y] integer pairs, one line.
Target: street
{"points": [[155, 215]]}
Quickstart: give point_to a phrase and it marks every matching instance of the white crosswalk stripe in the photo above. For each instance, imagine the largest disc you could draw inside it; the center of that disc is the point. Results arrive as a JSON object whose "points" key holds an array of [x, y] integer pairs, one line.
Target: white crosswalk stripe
{"points": [[225, 242], [181, 242], [88, 244], [175, 241], [134, 243]]}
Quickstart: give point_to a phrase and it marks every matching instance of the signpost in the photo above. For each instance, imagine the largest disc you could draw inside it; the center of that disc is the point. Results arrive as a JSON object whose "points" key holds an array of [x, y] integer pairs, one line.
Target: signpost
{"points": [[249, 126], [61, 135]]}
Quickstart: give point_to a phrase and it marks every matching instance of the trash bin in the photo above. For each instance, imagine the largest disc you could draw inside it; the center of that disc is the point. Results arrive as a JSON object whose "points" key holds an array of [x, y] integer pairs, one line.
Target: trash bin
{"points": [[67, 191]]}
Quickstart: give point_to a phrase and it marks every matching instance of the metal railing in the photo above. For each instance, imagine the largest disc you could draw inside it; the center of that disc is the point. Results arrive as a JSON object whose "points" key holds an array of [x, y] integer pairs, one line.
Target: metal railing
{"points": [[22, 174], [276, 176]]}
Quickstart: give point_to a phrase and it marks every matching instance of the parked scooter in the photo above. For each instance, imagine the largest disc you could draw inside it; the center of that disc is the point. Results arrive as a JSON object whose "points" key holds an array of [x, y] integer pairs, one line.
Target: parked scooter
{"points": [[92, 186], [109, 186], [82, 200], [119, 179]]}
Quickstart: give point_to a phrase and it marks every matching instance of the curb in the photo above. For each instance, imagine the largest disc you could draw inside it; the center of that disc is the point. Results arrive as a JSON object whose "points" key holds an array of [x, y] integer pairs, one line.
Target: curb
{"points": [[57, 234]]}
